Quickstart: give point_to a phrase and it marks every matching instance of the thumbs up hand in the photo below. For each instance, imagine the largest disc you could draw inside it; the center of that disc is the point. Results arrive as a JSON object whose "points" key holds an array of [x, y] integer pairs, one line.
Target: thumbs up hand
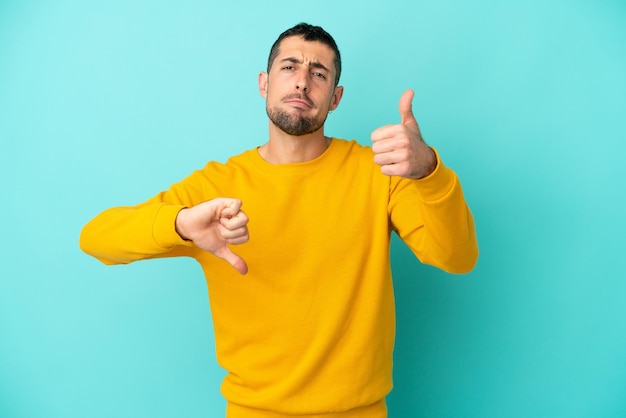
{"points": [[399, 149]]}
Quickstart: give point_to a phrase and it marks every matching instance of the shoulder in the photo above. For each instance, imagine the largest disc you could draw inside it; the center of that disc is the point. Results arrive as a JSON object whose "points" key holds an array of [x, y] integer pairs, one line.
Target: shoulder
{"points": [[350, 145], [231, 165], [353, 149], [354, 158], [214, 172]]}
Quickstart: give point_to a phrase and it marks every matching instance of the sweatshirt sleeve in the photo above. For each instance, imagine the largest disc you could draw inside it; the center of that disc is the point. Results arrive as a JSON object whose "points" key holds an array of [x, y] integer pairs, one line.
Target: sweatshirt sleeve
{"points": [[433, 219], [121, 235]]}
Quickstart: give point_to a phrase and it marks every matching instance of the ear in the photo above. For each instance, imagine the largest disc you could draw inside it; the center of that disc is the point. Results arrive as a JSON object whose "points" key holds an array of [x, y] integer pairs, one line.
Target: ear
{"points": [[263, 84], [336, 98]]}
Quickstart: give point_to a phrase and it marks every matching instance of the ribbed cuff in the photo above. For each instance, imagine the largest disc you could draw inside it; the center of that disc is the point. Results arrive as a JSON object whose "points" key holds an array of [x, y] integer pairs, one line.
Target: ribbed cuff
{"points": [[164, 227], [437, 184]]}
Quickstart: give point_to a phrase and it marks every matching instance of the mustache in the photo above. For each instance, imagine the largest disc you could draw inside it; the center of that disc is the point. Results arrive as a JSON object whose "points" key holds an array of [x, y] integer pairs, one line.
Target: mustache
{"points": [[300, 97]]}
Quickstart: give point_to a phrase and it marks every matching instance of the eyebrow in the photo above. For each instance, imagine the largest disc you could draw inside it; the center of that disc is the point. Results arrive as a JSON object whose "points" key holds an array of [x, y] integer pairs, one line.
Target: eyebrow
{"points": [[314, 64]]}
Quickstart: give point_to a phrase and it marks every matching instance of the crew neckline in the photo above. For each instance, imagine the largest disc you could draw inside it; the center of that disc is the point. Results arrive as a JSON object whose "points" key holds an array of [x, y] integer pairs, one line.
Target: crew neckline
{"points": [[293, 168]]}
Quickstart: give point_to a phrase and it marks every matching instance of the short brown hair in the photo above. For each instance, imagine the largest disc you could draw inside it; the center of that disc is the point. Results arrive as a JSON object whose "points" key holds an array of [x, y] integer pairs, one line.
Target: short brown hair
{"points": [[312, 34]]}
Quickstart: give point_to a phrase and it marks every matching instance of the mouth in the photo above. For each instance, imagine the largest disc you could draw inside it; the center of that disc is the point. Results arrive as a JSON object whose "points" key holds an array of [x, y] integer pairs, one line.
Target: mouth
{"points": [[299, 101]]}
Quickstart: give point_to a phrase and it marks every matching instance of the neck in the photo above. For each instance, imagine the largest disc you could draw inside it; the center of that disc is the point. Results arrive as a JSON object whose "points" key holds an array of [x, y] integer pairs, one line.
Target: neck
{"points": [[283, 148]]}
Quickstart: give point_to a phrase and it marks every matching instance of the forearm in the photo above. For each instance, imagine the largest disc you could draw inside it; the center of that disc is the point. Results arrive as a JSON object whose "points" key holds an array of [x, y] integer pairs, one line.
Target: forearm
{"points": [[124, 234], [445, 234], [449, 231]]}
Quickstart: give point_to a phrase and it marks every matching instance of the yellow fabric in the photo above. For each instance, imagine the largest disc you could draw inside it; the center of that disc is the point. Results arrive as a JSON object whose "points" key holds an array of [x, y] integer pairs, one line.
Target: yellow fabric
{"points": [[310, 329], [377, 410]]}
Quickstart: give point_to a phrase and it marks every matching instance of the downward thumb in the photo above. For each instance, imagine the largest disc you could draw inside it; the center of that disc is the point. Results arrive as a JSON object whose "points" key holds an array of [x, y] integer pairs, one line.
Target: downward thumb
{"points": [[406, 108], [237, 262]]}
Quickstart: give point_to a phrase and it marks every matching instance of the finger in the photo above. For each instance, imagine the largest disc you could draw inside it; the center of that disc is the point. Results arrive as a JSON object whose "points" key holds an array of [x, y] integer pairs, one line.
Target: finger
{"points": [[385, 132], [242, 239], [388, 145], [231, 207], [237, 221], [237, 262], [406, 108], [381, 146], [392, 157], [233, 234], [399, 169], [381, 133]]}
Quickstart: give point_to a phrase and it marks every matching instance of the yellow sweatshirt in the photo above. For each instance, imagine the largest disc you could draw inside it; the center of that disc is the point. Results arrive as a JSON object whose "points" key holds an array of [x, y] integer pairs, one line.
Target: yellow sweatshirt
{"points": [[310, 329]]}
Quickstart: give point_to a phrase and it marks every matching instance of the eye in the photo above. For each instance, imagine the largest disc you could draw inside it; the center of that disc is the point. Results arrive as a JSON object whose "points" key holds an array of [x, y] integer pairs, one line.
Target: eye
{"points": [[320, 75], [288, 67]]}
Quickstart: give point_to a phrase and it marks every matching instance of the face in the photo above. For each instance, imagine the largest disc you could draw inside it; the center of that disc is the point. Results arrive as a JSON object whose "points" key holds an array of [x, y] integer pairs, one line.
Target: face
{"points": [[300, 87]]}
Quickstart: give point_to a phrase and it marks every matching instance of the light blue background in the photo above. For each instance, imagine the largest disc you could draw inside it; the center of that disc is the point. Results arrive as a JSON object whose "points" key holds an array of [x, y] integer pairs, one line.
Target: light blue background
{"points": [[106, 103]]}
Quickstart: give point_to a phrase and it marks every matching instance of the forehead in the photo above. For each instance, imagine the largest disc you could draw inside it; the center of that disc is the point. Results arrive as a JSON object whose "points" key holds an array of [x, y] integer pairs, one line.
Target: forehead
{"points": [[307, 51]]}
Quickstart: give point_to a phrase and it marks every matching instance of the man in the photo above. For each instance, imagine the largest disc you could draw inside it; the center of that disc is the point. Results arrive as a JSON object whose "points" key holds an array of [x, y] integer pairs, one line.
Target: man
{"points": [[309, 330]]}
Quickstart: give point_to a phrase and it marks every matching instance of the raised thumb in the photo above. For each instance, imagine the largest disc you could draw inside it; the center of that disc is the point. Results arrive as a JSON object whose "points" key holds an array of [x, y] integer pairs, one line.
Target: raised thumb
{"points": [[406, 108]]}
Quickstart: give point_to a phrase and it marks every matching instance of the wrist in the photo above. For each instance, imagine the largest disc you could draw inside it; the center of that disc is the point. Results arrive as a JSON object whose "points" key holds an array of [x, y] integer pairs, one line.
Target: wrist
{"points": [[179, 224], [430, 164]]}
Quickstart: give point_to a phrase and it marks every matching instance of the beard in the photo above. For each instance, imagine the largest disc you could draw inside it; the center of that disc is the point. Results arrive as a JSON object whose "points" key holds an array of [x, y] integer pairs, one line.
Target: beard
{"points": [[294, 124]]}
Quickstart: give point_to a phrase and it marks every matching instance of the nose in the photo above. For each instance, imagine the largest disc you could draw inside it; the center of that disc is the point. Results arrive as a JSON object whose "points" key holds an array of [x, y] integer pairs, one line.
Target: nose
{"points": [[303, 82]]}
